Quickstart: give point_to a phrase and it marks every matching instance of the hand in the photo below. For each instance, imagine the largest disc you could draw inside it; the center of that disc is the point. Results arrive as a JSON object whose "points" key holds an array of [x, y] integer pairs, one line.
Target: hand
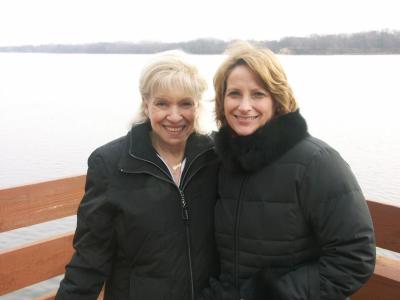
{"points": [[206, 294], [264, 284], [219, 291]]}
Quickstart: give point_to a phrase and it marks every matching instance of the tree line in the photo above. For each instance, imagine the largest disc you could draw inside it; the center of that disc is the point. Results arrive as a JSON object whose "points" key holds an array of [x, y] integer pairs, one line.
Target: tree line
{"points": [[372, 42]]}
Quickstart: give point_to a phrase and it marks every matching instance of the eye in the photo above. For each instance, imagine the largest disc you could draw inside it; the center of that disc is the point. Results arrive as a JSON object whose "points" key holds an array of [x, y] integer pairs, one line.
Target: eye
{"points": [[187, 103], [233, 94], [160, 103], [259, 94]]}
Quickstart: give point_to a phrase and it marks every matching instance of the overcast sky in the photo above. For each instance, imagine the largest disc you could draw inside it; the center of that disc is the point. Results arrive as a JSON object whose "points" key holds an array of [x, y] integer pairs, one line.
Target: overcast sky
{"points": [[80, 21]]}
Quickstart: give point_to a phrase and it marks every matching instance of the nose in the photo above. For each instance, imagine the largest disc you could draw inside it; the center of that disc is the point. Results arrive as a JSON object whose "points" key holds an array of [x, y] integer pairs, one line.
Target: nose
{"points": [[244, 105], [174, 114]]}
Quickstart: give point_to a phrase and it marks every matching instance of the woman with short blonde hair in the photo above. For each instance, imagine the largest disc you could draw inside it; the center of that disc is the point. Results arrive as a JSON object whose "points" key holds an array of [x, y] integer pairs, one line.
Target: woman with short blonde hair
{"points": [[145, 223], [169, 71]]}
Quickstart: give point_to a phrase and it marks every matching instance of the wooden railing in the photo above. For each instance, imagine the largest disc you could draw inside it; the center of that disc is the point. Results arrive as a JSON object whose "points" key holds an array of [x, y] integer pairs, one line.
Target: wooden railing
{"points": [[28, 205], [38, 261], [385, 283]]}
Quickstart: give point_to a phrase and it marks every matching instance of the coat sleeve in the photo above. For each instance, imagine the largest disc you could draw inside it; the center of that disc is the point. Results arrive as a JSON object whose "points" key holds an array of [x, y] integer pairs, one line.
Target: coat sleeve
{"points": [[94, 238], [335, 208]]}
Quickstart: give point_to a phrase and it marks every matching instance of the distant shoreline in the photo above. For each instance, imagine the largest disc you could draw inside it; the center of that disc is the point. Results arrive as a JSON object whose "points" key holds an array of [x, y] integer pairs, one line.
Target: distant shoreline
{"points": [[362, 43]]}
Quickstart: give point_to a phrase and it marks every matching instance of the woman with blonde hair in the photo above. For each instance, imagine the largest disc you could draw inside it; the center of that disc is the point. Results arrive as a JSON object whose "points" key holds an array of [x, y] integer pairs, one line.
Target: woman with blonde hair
{"points": [[291, 220], [145, 224]]}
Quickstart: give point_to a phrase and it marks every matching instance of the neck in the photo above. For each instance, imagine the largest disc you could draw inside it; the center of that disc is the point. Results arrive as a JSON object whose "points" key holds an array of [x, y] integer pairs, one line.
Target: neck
{"points": [[172, 154], [264, 146]]}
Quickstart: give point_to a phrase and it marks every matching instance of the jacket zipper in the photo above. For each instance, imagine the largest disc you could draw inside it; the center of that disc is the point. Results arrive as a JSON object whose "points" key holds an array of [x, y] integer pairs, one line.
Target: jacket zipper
{"points": [[185, 210], [236, 233], [190, 164], [186, 220]]}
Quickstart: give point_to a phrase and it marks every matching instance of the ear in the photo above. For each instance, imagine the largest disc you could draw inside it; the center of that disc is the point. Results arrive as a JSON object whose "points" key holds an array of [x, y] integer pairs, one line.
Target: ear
{"points": [[277, 107], [145, 106]]}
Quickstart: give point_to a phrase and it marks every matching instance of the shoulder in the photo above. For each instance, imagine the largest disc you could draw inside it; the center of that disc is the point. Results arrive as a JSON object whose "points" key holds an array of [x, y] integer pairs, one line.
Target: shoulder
{"points": [[310, 149], [204, 139], [108, 153], [200, 143], [325, 167], [313, 145]]}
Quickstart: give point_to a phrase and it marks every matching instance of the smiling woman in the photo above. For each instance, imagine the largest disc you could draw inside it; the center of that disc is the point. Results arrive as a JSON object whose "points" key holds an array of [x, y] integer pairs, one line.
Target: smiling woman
{"points": [[142, 222], [289, 208], [170, 102]]}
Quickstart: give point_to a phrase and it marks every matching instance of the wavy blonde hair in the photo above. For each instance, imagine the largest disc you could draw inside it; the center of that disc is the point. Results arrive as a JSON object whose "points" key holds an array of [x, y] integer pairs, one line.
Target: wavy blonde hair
{"points": [[266, 66], [168, 71]]}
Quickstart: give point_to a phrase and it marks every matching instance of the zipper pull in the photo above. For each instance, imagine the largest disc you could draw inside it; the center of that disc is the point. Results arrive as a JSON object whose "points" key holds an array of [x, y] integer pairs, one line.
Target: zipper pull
{"points": [[185, 211], [185, 214]]}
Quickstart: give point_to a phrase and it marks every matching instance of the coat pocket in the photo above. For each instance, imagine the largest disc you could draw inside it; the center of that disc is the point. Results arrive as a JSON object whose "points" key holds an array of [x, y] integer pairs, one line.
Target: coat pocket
{"points": [[148, 288]]}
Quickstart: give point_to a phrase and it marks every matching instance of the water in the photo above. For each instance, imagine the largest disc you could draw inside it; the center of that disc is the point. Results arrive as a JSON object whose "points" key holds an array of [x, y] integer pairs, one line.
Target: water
{"points": [[56, 108]]}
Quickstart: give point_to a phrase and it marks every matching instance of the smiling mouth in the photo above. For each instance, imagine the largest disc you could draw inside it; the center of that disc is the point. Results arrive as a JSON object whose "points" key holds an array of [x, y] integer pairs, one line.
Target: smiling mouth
{"points": [[246, 118], [174, 129]]}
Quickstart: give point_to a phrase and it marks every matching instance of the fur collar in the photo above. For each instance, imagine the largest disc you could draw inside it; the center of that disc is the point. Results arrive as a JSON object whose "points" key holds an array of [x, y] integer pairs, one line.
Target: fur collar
{"points": [[264, 146]]}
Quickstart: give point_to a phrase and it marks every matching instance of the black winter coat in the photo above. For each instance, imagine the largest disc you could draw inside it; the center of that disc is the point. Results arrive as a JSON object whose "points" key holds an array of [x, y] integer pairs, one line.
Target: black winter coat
{"points": [[291, 221], [146, 238]]}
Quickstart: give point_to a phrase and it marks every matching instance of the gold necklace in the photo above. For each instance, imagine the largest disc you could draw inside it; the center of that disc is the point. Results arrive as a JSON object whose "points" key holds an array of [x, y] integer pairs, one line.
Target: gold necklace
{"points": [[176, 167]]}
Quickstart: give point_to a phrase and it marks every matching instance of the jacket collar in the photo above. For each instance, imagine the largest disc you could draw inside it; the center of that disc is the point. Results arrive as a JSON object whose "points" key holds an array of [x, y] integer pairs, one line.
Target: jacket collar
{"points": [[140, 154], [264, 146]]}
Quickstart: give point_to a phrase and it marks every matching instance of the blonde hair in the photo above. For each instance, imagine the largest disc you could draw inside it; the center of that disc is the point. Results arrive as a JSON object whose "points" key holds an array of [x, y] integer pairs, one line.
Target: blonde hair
{"points": [[169, 71], [264, 64]]}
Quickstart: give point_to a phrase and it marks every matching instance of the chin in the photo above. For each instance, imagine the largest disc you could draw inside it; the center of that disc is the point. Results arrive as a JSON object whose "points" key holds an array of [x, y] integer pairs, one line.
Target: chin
{"points": [[244, 131], [175, 141]]}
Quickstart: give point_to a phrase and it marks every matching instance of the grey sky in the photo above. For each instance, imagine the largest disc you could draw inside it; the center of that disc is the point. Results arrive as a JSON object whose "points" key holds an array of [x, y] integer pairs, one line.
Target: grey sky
{"points": [[79, 21]]}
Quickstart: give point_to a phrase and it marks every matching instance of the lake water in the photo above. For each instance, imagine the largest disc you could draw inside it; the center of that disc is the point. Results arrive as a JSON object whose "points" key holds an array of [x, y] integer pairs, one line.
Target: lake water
{"points": [[56, 108]]}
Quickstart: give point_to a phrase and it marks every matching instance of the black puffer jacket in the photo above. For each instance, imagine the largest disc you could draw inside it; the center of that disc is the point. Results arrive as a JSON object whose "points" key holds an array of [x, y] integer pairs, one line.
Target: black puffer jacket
{"points": [[291, 221], [132, 230]]}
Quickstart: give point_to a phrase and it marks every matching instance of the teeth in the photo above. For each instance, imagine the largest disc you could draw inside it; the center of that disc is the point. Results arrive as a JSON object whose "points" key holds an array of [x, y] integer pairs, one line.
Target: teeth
{"points": [[174, 129], [247, 118]]}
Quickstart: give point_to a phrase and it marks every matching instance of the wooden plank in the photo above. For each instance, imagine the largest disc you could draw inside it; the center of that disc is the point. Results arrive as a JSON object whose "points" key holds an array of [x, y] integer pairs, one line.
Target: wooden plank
{"points": [[34, 262], [37, 203], [49, 296], [388, 268], [386, 219], [52, 295], [384, 284]]}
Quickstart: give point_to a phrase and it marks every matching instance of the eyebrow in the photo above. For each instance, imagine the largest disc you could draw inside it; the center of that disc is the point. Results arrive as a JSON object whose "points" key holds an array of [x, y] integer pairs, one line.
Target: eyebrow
{"points": [[164, 98], [232, 89]]}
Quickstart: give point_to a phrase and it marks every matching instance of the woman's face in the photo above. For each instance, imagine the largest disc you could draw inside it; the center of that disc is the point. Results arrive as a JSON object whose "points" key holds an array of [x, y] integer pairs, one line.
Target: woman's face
{"points": [[247, 104], [172, 115]]}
